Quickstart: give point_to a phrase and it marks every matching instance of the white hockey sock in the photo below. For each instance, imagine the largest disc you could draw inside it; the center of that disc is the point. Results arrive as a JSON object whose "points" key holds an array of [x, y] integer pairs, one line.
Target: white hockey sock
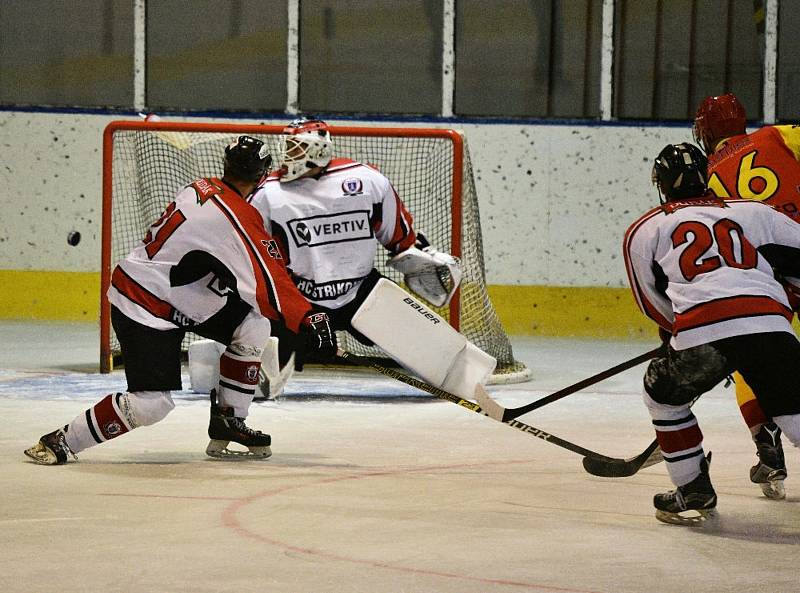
{"points": [[102, 422], [116, 414], [238, 377]]}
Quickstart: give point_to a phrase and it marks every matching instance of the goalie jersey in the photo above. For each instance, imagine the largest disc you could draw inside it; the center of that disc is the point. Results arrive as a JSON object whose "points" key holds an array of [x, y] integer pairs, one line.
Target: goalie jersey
{"points": [[329, 227], [208, 245], [704, 269]]}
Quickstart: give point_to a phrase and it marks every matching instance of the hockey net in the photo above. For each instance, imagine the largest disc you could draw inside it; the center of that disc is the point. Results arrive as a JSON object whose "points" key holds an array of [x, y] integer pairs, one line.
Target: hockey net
{"points": [[146, 163]]}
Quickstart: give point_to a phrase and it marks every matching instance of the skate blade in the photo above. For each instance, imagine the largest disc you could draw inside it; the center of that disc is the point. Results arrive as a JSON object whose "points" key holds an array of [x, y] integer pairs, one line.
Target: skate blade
{"points": [[220, 450], [774, 490], [692, 518], [42, 454]]}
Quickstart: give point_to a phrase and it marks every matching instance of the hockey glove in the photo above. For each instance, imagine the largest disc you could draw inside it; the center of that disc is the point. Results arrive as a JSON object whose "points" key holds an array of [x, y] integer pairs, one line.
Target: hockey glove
{"points": [[320, 339], [430, 274]]}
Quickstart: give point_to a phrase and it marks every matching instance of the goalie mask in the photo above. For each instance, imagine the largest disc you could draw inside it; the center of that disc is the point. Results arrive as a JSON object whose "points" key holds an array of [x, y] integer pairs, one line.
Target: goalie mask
{"points": [[718, 118], [680, 172], [247, 159], [304, 145]]}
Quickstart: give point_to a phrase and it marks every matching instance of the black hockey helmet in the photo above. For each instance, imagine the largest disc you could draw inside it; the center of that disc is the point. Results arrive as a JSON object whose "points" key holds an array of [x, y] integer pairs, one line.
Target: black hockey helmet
{"points": [[680, 172], [247, 159]]}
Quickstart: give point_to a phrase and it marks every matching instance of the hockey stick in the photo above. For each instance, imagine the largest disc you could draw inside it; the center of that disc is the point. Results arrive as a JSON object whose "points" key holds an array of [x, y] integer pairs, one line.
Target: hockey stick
{"points": [[502, 414], [622, 468], [442, 394]]}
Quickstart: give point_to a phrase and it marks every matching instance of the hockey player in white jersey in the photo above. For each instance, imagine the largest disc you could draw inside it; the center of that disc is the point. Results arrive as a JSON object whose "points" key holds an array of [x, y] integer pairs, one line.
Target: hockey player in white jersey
{"points": [[705, 271], [330, 217], [206, 266]]}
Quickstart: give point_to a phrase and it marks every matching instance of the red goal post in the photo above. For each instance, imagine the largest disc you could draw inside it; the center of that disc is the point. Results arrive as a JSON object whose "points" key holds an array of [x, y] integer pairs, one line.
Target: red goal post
{"points": [[145, 163]]}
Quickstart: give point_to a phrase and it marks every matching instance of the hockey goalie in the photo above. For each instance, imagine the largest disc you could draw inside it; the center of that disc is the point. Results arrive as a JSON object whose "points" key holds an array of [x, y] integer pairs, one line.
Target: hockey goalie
{"points": [[329, 217]]}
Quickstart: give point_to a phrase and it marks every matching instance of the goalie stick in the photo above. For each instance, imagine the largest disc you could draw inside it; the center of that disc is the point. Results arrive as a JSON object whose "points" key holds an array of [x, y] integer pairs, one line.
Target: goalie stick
{"points": [[600, 459]]}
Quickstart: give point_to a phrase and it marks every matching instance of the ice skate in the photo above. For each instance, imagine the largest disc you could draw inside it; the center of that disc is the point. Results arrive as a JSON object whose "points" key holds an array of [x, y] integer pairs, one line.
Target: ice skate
{"points": [[697, 497], [224, 427], [52, 449], [770, 471]]}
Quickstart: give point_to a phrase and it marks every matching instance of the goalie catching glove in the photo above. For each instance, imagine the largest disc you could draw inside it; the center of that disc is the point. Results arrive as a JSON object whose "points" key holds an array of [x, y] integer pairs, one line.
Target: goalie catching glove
{"points": [[430, 274], [318, 339]]}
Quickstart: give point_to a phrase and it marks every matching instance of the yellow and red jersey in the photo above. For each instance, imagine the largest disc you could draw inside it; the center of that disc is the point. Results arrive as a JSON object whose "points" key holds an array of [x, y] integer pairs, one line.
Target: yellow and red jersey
{"points": [[763, 166]]}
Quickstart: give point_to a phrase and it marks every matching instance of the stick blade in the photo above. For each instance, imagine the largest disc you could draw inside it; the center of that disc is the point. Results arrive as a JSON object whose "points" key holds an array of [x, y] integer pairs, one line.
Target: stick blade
{"points": [[623, 468], [489, 407]]}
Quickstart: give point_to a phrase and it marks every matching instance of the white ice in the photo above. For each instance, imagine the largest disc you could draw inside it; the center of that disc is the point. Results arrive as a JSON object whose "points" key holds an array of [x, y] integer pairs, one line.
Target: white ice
{"points": [[407, 494]]}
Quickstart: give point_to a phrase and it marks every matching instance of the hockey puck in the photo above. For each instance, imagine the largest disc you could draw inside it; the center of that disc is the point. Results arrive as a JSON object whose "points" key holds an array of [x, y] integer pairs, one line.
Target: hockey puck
{"points": [[73, 238]]}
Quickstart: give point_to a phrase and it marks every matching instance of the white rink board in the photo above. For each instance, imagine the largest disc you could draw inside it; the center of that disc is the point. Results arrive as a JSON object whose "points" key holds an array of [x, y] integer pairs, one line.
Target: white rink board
{"points": [[554, 199]]}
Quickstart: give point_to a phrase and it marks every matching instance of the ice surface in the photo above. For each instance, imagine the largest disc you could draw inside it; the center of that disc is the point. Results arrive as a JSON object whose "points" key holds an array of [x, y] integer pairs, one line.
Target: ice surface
{"points": [[407, 494]]}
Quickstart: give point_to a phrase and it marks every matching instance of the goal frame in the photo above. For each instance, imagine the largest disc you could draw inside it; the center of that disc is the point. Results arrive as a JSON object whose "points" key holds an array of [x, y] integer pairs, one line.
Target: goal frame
{"points": [[457, 143]]}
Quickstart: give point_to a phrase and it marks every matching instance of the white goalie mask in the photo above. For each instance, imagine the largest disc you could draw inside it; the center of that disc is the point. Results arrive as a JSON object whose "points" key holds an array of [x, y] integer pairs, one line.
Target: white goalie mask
{"points": [[304, 145]]}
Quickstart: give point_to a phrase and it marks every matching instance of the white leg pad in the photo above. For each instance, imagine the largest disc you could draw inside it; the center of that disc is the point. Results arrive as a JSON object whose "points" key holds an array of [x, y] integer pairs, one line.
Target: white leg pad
{"points": [[470, 368], [790, 425], [204, 365], [421, 340], [204, 368]]}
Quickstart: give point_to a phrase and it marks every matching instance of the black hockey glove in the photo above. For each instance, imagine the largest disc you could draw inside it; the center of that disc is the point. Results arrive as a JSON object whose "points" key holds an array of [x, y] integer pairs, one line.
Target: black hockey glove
{"points": [[319, 342]]}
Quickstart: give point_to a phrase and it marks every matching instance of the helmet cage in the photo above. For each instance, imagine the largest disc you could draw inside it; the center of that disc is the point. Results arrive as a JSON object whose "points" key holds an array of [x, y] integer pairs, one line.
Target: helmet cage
{"points": [[304, 145]]}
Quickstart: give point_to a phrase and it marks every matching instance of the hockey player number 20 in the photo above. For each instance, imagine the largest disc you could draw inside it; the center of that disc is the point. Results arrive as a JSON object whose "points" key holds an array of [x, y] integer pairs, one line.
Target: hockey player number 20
{"points": [[167, 224], [732, 249]]}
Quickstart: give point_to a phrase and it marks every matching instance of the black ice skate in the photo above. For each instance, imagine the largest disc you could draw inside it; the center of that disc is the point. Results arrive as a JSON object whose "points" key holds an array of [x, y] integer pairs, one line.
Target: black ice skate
{"points": [[697, 496], [52, 449], [224, 427], [770, 471]]}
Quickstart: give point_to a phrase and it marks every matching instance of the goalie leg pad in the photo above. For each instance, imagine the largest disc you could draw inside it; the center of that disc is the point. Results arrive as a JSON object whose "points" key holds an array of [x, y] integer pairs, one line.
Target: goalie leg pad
{"points": [[790, 425], [204, 365], [471, 367], [422, 341]]}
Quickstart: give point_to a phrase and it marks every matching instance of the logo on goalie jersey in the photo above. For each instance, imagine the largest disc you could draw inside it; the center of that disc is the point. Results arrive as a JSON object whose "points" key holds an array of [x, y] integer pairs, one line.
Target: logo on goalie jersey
{"points": [[331, 228], [352, 187]]}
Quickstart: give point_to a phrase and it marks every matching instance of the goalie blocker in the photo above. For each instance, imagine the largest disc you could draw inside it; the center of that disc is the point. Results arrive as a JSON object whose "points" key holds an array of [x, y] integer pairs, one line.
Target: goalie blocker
{"points": [[422, 341]]}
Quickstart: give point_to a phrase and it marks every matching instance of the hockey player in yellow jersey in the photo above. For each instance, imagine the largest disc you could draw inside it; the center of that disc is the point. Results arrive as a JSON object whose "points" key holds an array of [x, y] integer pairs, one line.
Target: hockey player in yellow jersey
{"points": [[764, 166]]}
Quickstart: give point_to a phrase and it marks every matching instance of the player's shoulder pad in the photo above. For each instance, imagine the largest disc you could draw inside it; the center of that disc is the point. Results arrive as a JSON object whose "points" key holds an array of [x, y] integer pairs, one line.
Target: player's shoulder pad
{"points": [[644, 218], [341, 164], [747, 203]]}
